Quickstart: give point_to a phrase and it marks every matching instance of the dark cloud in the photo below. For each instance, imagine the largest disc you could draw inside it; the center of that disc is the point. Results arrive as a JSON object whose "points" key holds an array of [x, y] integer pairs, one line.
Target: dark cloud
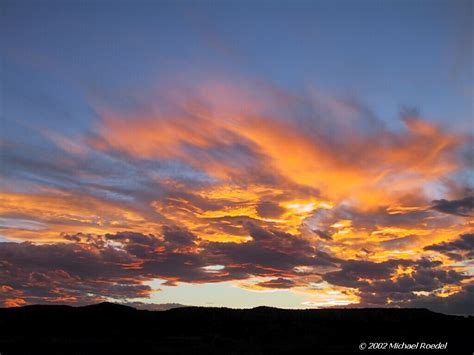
{"points": [[91, 268], [323, 234], [356, 273], [269, 209], [279, 283], [373, 219], [96, 267], [172, 255], [67, 273], [269, 253], [176, 237], [462, 207], [462, 248], [382, 283], [459, 303]]}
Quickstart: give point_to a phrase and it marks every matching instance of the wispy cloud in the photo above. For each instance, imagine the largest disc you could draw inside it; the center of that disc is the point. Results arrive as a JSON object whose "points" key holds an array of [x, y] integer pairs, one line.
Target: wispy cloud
{"points": [[282, 192]]}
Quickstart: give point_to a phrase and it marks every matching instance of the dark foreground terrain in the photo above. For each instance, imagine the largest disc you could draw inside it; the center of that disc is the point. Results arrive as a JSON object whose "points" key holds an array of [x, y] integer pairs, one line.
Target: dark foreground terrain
{"points": [[114, 329]]}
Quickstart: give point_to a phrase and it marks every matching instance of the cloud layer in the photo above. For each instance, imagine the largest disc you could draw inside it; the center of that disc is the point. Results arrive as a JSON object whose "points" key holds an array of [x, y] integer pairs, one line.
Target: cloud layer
{"points": [[312, 195]]}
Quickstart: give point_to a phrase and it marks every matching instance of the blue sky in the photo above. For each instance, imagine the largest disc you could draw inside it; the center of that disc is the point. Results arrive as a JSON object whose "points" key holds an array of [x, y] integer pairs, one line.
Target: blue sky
{"points": [[57, 56]]}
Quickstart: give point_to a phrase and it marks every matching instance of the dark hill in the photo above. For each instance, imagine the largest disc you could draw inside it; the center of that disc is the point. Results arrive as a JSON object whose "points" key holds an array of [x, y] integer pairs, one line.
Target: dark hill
{"points": [[109, 328]]}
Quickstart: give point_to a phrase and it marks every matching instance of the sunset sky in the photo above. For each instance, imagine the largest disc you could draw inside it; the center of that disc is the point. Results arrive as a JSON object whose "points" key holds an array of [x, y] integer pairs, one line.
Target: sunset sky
{"points": [[297, 154]]}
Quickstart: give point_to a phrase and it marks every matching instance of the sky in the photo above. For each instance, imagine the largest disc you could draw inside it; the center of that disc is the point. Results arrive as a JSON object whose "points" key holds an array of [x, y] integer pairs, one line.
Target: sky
{"points": [[296, 154]]}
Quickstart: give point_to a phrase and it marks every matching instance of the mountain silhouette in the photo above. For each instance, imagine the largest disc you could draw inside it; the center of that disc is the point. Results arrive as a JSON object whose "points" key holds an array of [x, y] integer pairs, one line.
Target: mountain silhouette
{"points": [[108, 328]]}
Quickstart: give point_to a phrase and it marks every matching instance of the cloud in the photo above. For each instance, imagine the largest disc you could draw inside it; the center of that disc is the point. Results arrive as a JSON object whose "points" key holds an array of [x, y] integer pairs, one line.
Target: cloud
{"points": [[397, 282], [269, 253], [279, 283], [118, 266], [267, 209], [95, 267], [337, 145], [67, 273], [459, 303], [323, 234], [462, 207], [280, 190], [459, 249]]}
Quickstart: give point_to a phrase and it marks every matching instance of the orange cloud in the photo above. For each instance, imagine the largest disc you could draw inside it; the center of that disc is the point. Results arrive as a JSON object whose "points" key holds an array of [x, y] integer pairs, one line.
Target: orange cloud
{"points": [[287, 199], [368, 169], [56, 213]]}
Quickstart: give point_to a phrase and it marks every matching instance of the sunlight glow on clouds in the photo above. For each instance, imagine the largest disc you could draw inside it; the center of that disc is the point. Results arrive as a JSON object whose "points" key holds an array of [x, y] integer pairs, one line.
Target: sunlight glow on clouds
{"points": [[271, 172], [289, 204]]}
